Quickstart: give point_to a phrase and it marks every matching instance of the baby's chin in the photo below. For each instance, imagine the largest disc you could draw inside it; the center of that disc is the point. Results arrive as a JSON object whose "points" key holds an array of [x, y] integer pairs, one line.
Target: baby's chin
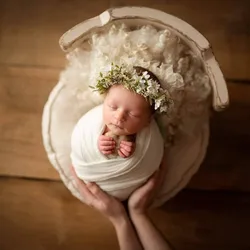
{"points": [[118, 130]]}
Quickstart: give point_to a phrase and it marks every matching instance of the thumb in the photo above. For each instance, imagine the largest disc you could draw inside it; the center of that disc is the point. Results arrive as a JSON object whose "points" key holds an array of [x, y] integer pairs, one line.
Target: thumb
{"points": [[150, 184], [99, 194]]}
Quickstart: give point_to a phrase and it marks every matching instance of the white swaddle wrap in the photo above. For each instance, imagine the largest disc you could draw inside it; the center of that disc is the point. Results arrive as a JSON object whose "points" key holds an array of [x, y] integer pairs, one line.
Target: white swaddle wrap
{"points": [[120, 176]]}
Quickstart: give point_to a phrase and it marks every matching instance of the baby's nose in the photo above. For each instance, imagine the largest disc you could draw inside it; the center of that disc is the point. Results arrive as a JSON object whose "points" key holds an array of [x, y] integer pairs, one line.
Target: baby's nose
{"points": [[120, 115]]}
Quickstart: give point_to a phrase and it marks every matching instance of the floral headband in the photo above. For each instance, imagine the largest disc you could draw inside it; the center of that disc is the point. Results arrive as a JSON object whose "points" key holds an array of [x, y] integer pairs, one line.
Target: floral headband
{"points": [[138, 80]]}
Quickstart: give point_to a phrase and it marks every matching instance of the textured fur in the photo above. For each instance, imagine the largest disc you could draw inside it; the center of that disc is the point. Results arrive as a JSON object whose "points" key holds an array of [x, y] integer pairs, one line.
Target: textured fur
{"points": [[163, 53]]}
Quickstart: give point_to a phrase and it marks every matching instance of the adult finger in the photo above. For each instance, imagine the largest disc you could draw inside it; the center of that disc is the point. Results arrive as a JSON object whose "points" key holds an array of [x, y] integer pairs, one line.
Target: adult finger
{"points": [[99, 194], [146, 192], [151, 183], [162, 170], [84, 191], [163, 162], [73, 172]]}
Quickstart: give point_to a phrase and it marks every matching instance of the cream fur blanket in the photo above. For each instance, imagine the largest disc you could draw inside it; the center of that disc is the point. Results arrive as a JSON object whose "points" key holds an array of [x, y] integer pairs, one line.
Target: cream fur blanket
{"points": [[119, 177]]}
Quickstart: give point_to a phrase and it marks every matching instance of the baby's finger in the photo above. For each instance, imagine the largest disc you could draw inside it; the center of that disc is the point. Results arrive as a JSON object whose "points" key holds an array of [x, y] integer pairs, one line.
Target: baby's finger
{"points": [[107, 143], [129, 149], [127, 143], [106, 138], [124, 152], [108, 152], [121, 154], [107, 148]]}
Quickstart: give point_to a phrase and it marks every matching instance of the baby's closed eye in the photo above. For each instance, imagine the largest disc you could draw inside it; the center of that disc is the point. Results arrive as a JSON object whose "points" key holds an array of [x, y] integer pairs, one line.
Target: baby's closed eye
{"points": [[113, 107], [134, 115]]}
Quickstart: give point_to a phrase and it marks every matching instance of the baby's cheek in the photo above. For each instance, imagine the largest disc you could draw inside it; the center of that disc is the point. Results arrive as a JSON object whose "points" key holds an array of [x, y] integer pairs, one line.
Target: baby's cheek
{"points": [[135, 127], [106, 117]]}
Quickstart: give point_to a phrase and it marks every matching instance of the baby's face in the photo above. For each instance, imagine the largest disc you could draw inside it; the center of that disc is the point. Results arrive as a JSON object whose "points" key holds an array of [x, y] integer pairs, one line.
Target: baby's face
{"points": [[125, 112]]}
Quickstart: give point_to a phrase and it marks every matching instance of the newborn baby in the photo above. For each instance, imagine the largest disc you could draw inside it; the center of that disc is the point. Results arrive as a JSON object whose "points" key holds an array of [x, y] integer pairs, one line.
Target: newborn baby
{"points": [[103, 141], [124, 113]]}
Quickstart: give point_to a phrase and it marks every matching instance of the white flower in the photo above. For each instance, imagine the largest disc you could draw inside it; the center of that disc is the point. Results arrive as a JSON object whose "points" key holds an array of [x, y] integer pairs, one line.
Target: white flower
{"points": [[157, 103], [107, 69], [145, 75], [153, 87], [142, 81], [139, 89], [153, 91], [143, 85]]}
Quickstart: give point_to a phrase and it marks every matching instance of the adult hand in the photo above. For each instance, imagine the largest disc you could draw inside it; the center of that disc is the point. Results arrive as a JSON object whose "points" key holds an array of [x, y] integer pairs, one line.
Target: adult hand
{"points": [[150, 237], [95, 197], [142, 198], [113, 210]]}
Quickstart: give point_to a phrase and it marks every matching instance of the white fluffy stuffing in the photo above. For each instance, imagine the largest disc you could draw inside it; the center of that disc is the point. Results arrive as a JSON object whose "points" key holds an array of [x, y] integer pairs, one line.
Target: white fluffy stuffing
{"points": [[160, 51]]}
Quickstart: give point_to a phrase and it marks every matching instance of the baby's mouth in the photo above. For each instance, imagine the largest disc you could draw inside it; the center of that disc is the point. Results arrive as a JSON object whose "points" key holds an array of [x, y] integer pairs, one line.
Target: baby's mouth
{"points": [[116, 126]]}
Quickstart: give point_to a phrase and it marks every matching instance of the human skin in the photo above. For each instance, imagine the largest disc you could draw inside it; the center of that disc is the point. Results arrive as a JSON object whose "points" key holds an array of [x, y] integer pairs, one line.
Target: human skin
{"points": [[134, 229], [138, 205], [112, 209], [125, 113]]}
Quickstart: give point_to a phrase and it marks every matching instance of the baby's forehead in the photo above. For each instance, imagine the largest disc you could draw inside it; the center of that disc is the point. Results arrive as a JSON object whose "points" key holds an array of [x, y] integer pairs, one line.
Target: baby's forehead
{"points": [[119, 94]]}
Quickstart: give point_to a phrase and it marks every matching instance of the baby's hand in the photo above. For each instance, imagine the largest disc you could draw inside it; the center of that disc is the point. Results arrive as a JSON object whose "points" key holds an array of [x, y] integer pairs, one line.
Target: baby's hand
{"points": [[126, 148], [106, 144]]}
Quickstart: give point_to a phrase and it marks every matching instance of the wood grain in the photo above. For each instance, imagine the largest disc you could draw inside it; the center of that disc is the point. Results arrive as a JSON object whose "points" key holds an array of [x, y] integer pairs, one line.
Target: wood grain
{"points": [[43, 215], [227, 162], [29, 30], [23, 93]]}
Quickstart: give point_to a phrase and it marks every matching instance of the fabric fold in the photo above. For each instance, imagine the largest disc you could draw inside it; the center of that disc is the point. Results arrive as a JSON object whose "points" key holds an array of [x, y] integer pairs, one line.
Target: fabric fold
{"points": [[118, 176]]}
